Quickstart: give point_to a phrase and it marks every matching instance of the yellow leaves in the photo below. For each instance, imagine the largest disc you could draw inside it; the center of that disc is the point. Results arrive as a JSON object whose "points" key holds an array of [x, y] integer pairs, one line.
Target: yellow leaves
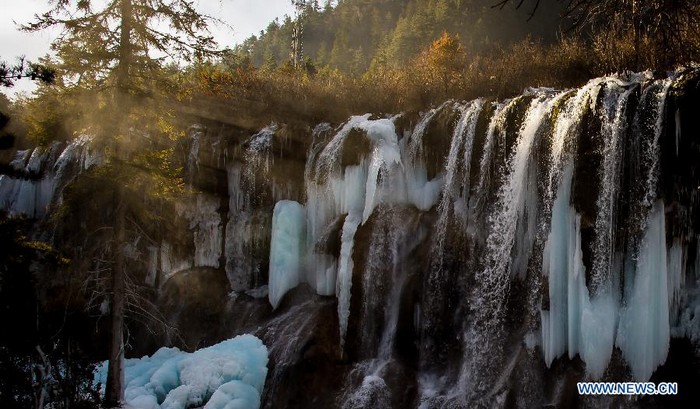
{"points": [[46, 249], [40, 249], [210, 78], [165, 125], [442, 62], [154, 172], [446, 52]]}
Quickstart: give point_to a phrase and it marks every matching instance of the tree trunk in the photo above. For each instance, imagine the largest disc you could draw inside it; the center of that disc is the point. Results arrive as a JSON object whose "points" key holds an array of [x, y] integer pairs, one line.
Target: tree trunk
{"points": [[636, 26], [125, 49], [114, 393]]}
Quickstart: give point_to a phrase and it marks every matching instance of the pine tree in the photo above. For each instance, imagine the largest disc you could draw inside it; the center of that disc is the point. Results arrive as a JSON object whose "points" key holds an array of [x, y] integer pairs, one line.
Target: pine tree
{"points": [[107, 48], [24, 69]]}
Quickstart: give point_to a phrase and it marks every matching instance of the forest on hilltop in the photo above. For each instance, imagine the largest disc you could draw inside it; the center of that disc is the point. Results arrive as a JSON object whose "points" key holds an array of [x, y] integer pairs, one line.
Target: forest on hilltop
{"points": [[354, 35]]}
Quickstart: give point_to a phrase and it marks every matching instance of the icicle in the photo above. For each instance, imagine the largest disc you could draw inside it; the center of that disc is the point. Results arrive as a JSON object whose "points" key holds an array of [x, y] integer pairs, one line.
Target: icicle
{"points": [[643, 334], [344, 283], [286, 248], [333, 191], [51, 165], [557, 261], [575, 322], [385, 154]]}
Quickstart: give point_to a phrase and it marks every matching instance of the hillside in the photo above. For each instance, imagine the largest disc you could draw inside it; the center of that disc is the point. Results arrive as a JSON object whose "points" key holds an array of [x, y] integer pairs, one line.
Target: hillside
{"points": [[353, 34]]}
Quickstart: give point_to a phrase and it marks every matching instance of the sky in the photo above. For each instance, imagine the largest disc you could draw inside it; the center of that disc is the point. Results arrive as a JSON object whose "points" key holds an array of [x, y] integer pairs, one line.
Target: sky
{"points": [[245, 17]]}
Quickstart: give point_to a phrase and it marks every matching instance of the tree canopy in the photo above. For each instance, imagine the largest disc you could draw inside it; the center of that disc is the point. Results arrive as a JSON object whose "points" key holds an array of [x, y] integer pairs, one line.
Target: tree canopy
{"points": [[100, 38], [111, 55], [24, 69]]}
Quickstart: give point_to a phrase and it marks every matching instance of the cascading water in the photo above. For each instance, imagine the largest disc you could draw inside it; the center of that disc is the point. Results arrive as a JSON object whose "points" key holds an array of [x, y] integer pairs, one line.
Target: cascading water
{"points": [[612, 132], [581, 299], [480, 254], [40, 175], [455, 194], [529, 185]]}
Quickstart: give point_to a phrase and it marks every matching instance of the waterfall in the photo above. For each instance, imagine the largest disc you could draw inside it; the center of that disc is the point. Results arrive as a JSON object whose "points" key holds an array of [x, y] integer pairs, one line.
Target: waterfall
{"points": [[41, 173], [612, 132], [502, 191], [345, 273], [455, 195], [514, 198], [476, 254]]}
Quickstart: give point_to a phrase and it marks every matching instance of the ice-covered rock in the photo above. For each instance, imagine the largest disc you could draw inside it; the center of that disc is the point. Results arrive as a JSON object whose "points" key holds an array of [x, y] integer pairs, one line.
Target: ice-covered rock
{"points": [[228, 375]]}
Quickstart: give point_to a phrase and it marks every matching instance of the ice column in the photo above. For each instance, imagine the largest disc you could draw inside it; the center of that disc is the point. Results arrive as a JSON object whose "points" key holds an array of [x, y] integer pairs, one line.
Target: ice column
{"points": [[575, 322], [286, 248], [643, 334], [344, 282]]}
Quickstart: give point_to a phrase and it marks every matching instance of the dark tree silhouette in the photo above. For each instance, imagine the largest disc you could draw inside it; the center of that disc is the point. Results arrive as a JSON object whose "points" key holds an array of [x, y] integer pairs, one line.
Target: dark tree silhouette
{"points": [[664, 25], [24, 69]]}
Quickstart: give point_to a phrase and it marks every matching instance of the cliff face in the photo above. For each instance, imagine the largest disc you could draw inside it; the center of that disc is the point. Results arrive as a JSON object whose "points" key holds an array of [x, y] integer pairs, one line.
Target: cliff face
{"points": [[481, 253]]}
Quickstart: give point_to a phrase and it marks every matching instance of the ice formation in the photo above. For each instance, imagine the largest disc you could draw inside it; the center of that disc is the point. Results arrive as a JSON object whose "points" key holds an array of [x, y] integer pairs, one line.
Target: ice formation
{"points": [[575, 322], [643, 333], [42, 174], [526, 200], [228, 375], [286, 249], [381, 176], [345, 272]]}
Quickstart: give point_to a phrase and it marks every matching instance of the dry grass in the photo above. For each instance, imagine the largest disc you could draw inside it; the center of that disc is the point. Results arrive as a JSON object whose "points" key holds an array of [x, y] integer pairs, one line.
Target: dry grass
{"points": [[330, 95]]}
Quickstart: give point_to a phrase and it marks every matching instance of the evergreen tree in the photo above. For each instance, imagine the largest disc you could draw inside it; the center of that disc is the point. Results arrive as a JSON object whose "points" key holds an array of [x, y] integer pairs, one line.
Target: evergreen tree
{"points": [[24, 69], [107, 48]]}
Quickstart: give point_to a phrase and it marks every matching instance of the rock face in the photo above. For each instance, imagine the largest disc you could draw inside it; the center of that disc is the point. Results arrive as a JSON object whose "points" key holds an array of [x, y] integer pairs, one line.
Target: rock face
{"points": [[479, 254]]}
